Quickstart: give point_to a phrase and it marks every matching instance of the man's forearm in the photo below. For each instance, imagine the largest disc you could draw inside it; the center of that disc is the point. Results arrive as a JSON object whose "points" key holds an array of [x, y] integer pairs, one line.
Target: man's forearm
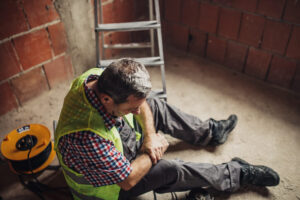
{"points": [[140, 168], [145, 119]]}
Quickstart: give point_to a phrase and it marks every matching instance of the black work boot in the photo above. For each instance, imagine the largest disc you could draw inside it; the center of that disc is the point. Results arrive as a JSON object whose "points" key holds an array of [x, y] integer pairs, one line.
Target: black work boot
{"points": [[257, 175], [221, 129]]}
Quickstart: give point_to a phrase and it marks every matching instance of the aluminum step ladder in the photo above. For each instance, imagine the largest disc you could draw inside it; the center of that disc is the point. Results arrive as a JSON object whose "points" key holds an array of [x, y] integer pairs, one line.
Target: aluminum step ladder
{"points": [[152, 25]]}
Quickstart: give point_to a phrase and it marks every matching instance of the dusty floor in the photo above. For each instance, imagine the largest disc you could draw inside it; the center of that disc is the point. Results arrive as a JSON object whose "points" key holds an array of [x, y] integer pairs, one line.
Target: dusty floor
{"points": [[268, 131]]}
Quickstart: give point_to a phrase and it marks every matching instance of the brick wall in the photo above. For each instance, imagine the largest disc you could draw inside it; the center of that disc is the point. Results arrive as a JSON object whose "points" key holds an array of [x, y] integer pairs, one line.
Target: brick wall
{"points": [[33, 48], [260, 38]]}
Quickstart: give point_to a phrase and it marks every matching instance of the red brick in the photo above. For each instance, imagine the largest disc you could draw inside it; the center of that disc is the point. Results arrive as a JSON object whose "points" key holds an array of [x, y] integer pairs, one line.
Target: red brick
{"points": [[251, 29], [8, 100], [161, 9], [179, 36], [282, 71], [224, 2], [235, 55], [108, 52], [108, 14], [58, 38], [293, 50], [272, 8], [9, 64], [208, 17], [59, 70], [296, 83], [216, 49], [142, 9], [248, 5], [198, 42], [39, 12], [276, 36], [257, 63], [229, 23], [190, 10], [172, 10], [123, 10], [12, 19], [29, 85], [33, 48], [292, 11]]}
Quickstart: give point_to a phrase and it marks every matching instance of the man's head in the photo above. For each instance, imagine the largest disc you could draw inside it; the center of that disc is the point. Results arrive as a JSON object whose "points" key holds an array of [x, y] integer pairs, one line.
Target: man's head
{"points": [[123, 81]]}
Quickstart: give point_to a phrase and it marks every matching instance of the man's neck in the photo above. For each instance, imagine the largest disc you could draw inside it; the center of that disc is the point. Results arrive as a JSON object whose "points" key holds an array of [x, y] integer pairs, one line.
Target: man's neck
{"points": [[93, 85]]}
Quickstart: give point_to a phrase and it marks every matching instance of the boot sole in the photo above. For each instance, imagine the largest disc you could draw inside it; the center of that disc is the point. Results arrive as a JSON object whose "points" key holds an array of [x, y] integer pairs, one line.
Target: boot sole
{"points": [[270, 170]]}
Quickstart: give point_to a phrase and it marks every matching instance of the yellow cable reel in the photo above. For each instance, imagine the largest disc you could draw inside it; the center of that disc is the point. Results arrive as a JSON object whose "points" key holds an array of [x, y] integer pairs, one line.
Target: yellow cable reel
{"points": [[28, 149]]}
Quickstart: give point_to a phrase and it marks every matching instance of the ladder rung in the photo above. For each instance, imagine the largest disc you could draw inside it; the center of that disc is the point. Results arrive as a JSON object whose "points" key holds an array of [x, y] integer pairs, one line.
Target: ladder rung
{"points": [[128, 45], [147, 61], [158, 93], [128, 26]]}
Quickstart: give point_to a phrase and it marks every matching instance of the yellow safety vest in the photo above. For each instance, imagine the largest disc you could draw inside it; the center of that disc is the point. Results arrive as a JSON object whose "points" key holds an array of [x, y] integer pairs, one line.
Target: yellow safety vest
{"points": [[79, 115]]}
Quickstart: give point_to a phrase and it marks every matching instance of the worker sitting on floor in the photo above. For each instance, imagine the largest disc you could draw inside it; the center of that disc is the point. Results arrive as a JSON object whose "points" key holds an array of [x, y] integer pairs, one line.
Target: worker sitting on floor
{"points": [[104, 157]]}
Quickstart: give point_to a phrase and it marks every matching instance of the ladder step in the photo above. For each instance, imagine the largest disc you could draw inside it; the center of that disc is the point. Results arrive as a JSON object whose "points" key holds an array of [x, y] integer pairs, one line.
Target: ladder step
{"points": [[128, 26], [147, 61], [158, 93], [128, 45]]}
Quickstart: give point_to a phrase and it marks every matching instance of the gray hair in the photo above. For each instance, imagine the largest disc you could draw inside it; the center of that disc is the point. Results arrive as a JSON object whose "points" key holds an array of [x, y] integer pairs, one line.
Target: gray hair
{"points": [[123, 78]]}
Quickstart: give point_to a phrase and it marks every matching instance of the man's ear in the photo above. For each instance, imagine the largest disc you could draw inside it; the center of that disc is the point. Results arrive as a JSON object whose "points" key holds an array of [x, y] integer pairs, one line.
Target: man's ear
{"points": [[106, 99]]}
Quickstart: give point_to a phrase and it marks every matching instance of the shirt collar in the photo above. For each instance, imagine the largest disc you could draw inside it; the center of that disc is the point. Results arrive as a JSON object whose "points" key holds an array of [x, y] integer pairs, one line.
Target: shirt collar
{"points": [[109, 120]]}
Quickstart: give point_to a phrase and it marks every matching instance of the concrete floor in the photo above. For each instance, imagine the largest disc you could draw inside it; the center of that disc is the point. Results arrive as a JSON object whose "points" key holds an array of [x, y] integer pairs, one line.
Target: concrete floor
{"points": [[268, 131]]}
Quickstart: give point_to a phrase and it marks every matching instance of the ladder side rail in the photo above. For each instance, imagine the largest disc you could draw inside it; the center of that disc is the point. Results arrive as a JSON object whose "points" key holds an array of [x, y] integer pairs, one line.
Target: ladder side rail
{"points": [[151, 31], [96, 33], [102, 33], [160, 48]]}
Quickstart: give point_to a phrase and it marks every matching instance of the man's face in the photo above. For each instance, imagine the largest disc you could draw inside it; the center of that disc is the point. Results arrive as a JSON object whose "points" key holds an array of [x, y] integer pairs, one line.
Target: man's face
{"points": [[132, 105]]}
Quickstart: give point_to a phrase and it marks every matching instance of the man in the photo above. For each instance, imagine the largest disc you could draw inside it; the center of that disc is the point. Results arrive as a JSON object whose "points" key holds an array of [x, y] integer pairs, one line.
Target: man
{"points": [[104, 157]]}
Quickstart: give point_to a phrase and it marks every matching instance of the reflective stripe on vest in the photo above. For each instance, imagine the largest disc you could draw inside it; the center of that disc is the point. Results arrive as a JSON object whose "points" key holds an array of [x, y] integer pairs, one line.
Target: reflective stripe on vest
{"points": [[77, 179], [82, 196]]}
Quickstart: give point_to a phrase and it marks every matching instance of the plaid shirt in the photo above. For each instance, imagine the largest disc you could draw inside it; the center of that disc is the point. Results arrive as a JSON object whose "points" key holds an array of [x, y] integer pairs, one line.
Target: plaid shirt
{"points": [[91, 155]]}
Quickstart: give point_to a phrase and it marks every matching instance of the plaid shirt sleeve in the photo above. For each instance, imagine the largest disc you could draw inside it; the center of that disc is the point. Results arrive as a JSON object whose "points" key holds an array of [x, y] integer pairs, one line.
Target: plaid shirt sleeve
{"points": [[94, 157]]}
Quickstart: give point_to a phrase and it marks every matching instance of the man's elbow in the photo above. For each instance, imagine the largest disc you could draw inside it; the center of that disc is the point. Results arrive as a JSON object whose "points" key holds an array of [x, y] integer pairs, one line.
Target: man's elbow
{"points": [[126, 185]]}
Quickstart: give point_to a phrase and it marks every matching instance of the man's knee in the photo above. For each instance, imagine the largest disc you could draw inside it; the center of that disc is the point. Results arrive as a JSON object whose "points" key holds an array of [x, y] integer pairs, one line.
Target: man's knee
{"points": [[168, 170]]}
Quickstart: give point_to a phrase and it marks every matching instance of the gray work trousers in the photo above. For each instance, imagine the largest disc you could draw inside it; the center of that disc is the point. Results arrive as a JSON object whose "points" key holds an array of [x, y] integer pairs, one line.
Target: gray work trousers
{"points": [[176, 175]]}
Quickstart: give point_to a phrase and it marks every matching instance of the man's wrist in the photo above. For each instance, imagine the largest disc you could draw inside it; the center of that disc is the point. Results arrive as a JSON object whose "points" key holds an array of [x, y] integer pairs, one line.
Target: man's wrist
{"points": [[148, 155]]}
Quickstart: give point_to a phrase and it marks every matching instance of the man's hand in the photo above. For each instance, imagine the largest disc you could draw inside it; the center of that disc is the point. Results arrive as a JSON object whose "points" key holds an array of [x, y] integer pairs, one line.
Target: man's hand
{"points": [[155, 145]]}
